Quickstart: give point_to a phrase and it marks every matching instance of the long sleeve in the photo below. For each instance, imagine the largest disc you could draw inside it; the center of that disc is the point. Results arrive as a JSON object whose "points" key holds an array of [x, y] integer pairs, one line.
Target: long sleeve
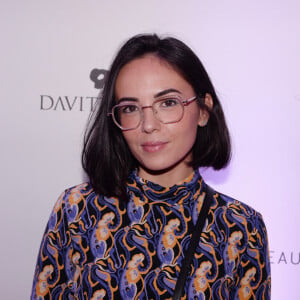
{"points": [[50, 278], [253, 279]]}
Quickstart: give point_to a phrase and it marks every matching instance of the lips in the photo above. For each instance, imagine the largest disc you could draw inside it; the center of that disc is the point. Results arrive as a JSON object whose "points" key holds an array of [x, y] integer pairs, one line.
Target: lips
{"points": [[153, 146]]}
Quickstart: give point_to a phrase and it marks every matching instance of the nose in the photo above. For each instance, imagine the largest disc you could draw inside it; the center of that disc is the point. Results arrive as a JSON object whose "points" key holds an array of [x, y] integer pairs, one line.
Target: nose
{"points": [[149, 122]]}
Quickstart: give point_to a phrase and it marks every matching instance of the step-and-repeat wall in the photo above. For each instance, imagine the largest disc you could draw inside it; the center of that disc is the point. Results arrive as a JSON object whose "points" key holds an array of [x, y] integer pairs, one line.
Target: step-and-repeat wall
{"points": [[54, 55]]}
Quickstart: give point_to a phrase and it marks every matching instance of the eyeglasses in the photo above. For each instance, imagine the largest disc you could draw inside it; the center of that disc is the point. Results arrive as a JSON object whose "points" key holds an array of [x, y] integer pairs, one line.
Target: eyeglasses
{"points": [[128, 115]]}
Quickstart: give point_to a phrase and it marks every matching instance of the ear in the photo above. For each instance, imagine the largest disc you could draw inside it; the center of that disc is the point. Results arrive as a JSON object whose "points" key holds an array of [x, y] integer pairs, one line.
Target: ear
{"points": [[204, 113]]}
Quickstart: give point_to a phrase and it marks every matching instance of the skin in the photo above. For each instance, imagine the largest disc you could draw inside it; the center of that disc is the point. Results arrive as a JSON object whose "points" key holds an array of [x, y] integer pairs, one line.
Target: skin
{"points": [[162, 150]]}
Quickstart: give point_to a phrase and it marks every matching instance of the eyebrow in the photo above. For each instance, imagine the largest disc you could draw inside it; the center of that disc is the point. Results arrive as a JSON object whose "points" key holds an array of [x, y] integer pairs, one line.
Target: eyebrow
{"points": [[164, 92], [159, 94], [128, 99]]}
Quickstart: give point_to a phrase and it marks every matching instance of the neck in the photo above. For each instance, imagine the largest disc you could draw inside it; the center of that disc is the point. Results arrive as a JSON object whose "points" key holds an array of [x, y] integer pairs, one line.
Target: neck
{"points": [[168, 177]]}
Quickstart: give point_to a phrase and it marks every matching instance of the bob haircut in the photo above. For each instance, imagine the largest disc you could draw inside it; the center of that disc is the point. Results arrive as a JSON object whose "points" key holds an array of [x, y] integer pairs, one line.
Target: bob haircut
{"points": [[106, 157]]}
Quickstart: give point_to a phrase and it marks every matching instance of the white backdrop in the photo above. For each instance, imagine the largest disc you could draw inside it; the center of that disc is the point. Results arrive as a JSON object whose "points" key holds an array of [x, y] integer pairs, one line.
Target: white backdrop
{"points": [[251, 51]]}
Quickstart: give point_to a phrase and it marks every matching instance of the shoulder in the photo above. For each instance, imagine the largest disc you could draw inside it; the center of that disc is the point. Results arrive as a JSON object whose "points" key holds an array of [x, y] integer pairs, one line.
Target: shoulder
{"points": [[233, 204], [233, 211], [242, 224], [83, 189], [79, 202], [72, 201], [66, 202], [75, 194]]}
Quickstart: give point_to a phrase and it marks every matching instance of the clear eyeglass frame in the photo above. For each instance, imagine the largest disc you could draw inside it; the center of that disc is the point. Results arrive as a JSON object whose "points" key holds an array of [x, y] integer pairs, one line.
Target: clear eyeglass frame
{"points": [[140, 108]]}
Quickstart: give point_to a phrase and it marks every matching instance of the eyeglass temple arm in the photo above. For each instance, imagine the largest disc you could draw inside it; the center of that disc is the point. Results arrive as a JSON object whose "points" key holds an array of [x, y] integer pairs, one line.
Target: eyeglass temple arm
{"points": [[188, 101]]}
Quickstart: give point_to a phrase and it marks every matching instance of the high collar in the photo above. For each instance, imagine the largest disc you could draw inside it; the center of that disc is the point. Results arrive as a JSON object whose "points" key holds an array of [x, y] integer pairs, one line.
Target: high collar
{"points": [[179, 193]]}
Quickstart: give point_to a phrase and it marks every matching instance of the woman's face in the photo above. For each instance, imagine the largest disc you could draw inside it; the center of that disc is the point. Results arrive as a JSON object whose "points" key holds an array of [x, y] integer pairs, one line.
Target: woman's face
{"points": [[162, 150]]}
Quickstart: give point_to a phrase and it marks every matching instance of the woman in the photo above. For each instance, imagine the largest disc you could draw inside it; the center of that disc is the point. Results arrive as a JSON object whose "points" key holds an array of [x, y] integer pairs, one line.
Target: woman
{"points": [[126, 233]]}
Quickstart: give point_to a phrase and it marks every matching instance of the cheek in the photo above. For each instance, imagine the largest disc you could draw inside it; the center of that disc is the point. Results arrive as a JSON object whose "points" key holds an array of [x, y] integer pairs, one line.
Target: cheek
{"points": [[188, 137], [131, 138], [188, 128], [188, 134]]}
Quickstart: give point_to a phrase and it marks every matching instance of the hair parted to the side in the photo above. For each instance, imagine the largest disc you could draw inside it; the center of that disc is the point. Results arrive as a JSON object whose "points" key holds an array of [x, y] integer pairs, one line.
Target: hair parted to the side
{"points": [[106, 157]]}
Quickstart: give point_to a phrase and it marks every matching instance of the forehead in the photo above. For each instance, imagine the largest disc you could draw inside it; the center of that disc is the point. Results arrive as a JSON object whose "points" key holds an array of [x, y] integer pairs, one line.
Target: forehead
{"points": [[147, 76]]}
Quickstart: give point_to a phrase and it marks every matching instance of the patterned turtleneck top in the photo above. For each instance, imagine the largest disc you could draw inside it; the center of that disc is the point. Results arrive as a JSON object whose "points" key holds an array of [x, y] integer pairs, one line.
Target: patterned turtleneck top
{"points": [[96, 247]]}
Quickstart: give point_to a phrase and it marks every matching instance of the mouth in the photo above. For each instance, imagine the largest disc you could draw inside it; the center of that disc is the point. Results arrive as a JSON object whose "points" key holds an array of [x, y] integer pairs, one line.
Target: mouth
{"points": [[153, 146]]}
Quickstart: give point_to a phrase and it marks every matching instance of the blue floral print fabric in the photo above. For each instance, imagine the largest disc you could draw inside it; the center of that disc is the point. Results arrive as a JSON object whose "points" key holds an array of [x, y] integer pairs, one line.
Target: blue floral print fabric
{"points": [[97, 247]]}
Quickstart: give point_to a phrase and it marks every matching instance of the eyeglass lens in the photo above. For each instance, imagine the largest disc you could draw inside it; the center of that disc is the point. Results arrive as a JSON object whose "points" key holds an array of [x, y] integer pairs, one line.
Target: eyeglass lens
{"points": [[129, 115]]}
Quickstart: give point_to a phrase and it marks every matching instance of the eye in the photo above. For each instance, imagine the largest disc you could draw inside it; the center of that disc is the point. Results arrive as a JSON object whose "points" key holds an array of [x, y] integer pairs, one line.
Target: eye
{"points": [[127, 109], [170, 102]]}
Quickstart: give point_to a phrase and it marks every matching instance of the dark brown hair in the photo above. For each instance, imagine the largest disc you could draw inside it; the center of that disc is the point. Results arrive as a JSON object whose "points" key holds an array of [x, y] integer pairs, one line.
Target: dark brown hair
{"points": [[106, 157]]}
